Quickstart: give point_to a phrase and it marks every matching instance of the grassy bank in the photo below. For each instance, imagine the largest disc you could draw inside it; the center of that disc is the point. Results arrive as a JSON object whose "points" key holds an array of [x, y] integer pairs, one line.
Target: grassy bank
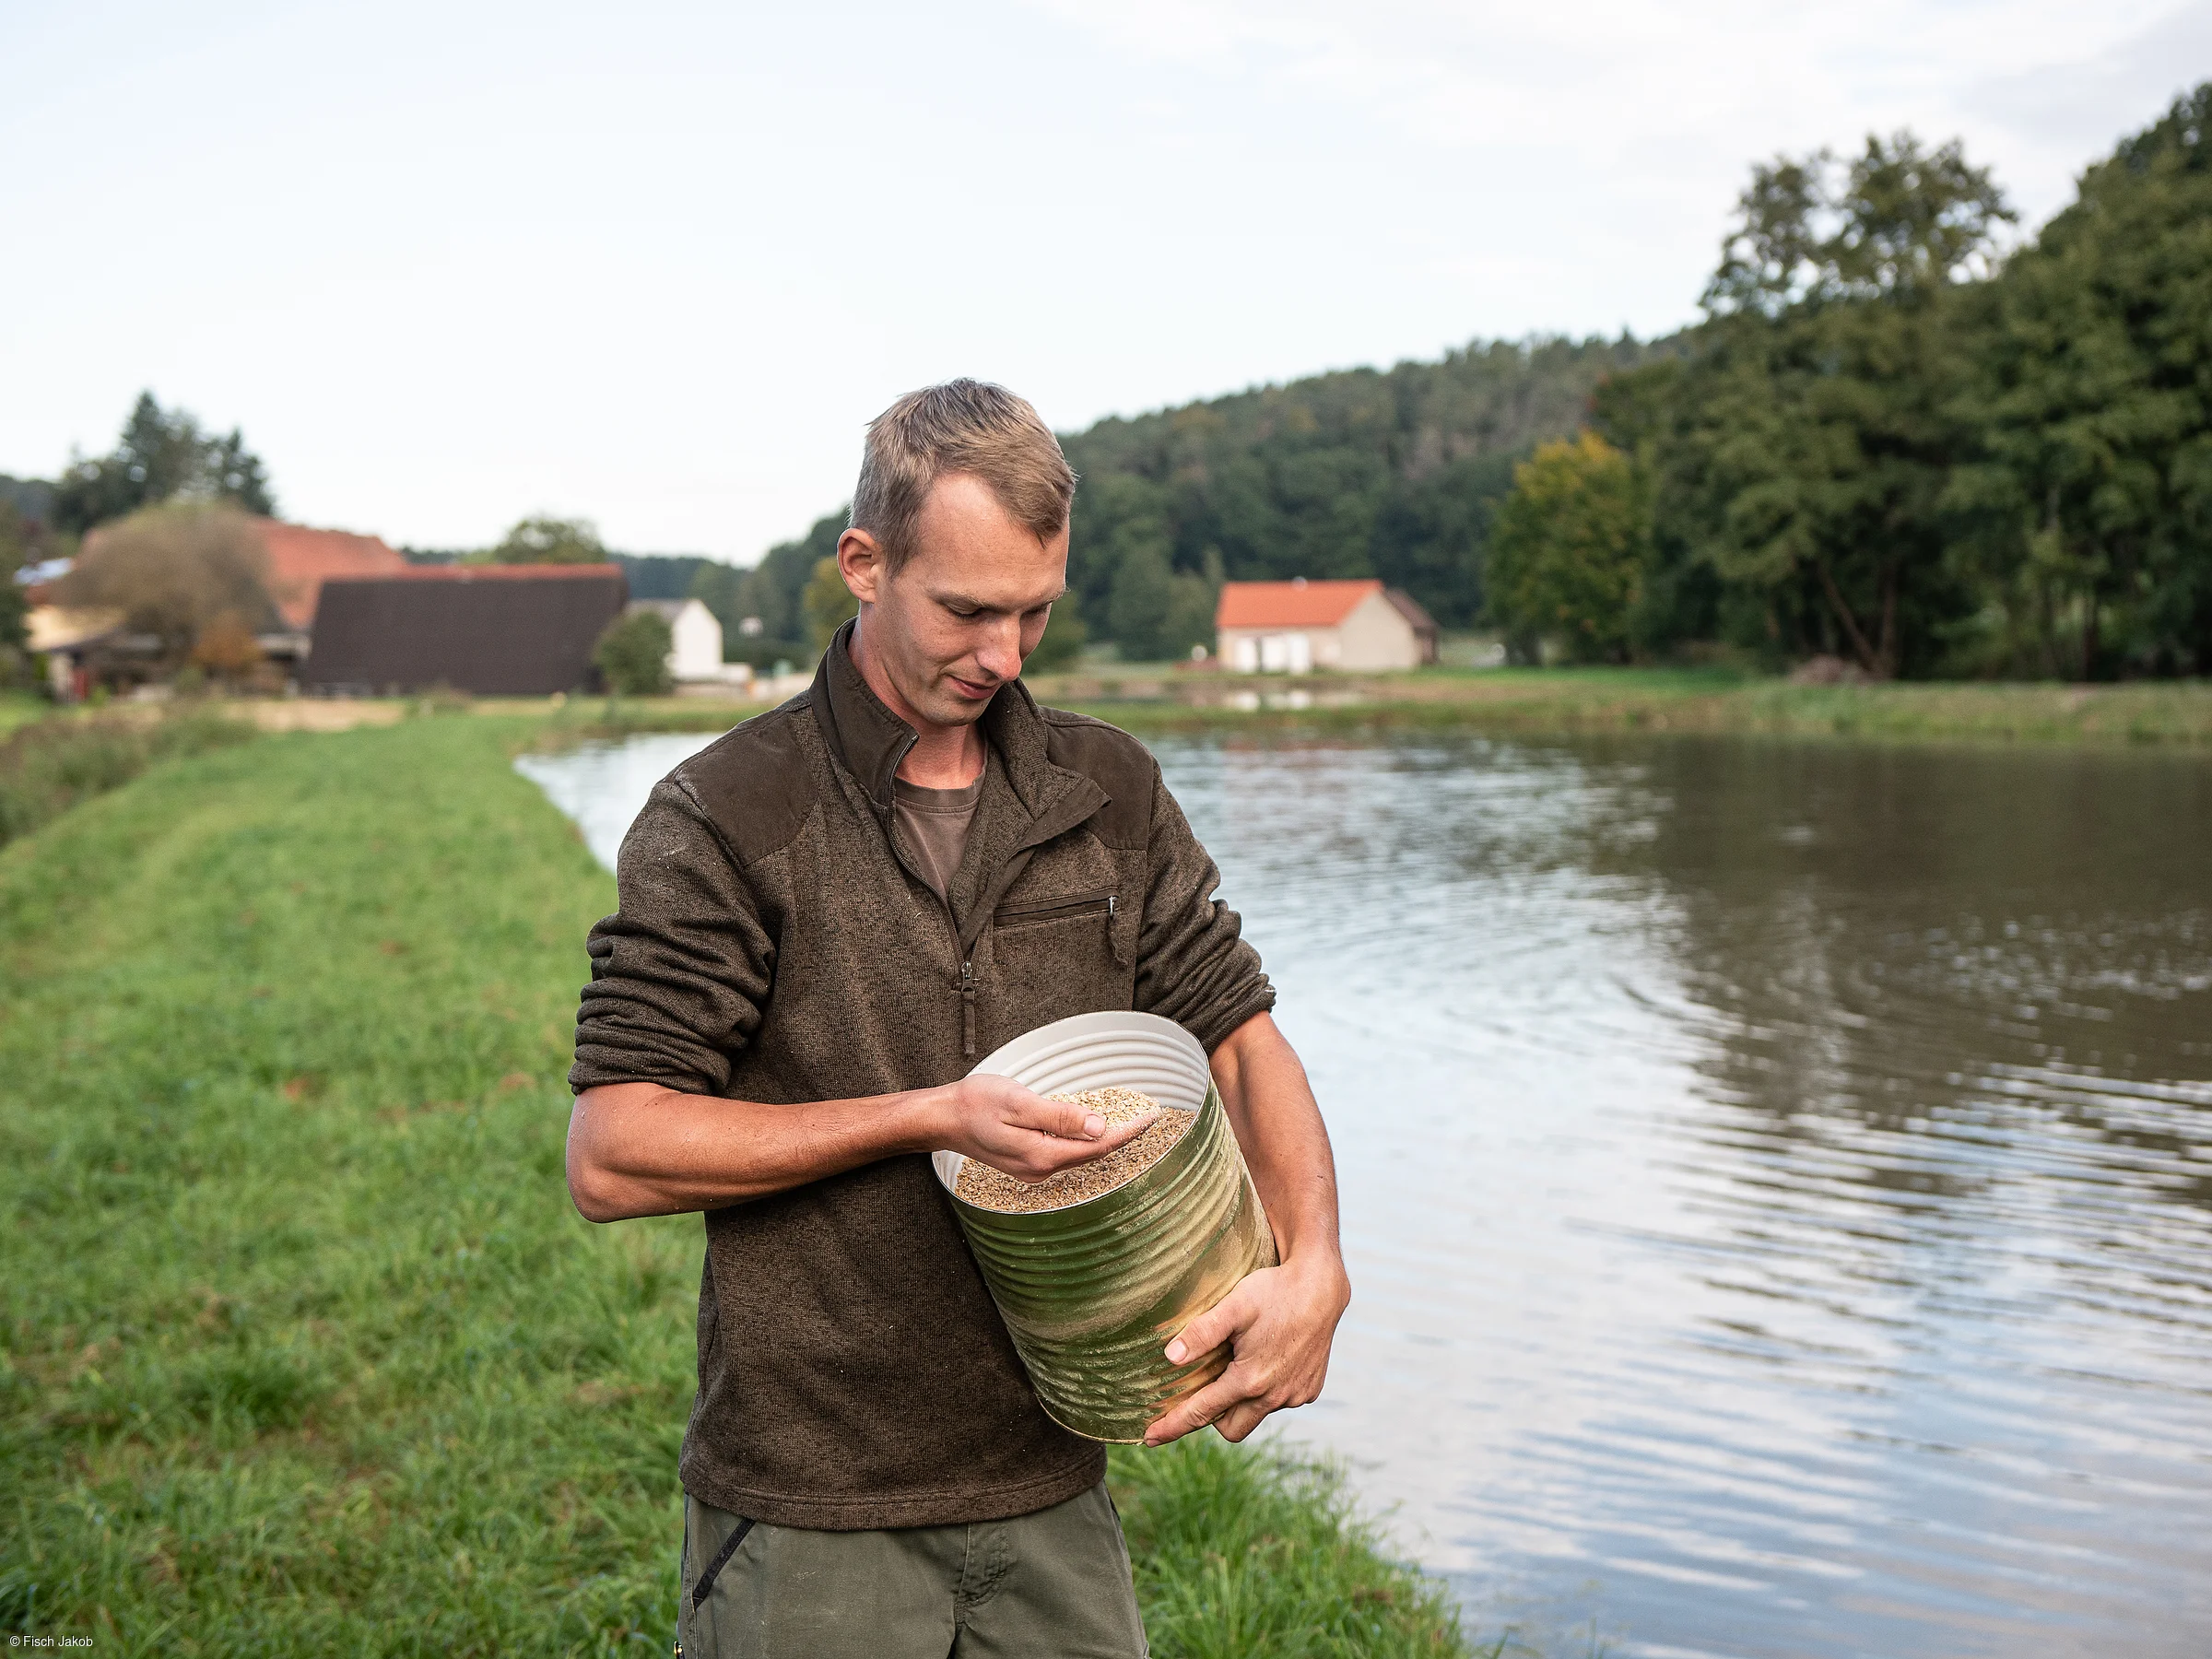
{"points": [[21, 708], [1629, 699], [305, 1351], [50, 764], [1537, 701]]}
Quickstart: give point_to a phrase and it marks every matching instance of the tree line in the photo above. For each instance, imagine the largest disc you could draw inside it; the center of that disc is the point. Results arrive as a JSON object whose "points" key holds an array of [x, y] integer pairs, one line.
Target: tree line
{"points": [[1892, 440], [1894, 443], [1392, 473]]}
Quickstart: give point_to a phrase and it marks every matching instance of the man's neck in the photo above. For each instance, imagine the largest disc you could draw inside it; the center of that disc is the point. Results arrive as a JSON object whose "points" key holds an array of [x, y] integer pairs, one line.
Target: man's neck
{"points": [[943, 757]]}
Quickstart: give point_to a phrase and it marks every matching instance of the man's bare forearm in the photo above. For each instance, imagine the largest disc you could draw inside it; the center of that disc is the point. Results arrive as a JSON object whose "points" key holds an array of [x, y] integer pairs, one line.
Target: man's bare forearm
{"points": [[642, 1149], [1277, 1124]]}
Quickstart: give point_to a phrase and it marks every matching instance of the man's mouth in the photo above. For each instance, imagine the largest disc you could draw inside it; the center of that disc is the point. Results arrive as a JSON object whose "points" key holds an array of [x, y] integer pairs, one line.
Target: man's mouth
{"points": [[974, 690]]}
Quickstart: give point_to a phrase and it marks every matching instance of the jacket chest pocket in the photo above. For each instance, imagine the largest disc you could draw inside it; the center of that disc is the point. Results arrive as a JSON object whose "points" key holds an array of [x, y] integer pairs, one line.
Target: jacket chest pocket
{"points": [[1052, 956], [1037, 911]]}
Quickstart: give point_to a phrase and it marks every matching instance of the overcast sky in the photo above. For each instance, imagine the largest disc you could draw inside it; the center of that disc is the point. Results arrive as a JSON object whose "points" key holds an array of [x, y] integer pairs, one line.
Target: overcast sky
{"points": [[658, 264]]}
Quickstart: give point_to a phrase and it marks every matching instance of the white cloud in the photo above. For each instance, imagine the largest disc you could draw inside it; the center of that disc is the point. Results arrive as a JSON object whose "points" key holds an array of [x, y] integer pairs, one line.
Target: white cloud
{"points": [[1628, 83]]}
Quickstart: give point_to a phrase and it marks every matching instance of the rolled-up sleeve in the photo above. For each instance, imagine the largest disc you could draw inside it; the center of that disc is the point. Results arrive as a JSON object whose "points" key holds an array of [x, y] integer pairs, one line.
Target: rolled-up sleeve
{"points": [[1194, 965], [682, 969]]}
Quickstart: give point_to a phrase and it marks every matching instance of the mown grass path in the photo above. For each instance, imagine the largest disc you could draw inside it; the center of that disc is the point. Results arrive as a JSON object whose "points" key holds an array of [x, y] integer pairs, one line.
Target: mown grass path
{"points": [[305, 1350]]}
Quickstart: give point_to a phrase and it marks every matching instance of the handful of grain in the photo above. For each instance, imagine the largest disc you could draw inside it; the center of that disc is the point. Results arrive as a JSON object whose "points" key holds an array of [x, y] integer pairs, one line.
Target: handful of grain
{"points": [[991, 1189]]}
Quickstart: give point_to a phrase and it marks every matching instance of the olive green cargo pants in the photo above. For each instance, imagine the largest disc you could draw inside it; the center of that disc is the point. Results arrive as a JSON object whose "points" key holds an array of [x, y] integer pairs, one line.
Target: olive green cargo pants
{"points": [[1049, 1585]]}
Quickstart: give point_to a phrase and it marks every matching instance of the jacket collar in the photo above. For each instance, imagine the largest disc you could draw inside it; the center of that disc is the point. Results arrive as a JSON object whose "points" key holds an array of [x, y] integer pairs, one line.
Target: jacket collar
{"points": [[869, 742]]}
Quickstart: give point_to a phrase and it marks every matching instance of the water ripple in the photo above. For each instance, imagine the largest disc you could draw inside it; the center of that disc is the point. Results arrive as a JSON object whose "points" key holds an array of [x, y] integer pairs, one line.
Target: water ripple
{"points": [[1778, 1179]]}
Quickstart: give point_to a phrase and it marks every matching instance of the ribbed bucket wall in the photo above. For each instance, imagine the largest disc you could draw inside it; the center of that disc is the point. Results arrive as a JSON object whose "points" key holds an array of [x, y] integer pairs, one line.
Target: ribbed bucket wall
{"points": [[1094, 1292]]}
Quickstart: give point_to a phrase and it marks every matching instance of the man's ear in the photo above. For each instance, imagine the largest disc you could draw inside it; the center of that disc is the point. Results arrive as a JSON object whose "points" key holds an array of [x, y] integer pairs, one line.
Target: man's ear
{"points": [[859, 562]]}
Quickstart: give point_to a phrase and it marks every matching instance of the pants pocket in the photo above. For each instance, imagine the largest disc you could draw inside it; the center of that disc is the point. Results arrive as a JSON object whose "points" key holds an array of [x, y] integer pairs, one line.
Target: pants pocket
{"points": [[711, 1538], [705, 1587]]}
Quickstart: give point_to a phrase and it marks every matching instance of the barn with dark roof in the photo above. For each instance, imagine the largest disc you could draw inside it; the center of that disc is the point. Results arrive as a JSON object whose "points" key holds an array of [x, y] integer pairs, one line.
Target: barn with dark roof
{"points": [[497, 630]]}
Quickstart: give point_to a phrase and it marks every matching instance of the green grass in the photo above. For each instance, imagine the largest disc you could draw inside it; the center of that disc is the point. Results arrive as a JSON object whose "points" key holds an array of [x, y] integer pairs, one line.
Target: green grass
{"points": [[21, 708], [49, 765], [305, 1351], [1240, 1553], [1553, 701]]}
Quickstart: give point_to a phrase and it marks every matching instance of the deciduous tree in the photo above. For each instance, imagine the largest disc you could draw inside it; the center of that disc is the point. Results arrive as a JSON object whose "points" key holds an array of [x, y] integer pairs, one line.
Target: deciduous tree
{"points": [[174, 571], [830, 603], [774, 591], [1816, 424], [22, 543], [1570, 548], [2091, 495], [1063, 641], [226, 650], [544, 539], [633, 655]]}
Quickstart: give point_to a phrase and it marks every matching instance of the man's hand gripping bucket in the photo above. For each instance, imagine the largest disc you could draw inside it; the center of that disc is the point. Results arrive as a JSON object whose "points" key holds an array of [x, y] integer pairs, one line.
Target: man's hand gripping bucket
{"points": [[1093, 1292]]}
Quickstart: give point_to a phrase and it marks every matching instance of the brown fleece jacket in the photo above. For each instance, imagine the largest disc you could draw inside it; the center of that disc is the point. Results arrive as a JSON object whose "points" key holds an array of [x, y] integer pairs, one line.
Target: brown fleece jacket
{"points": [[776, 942]]}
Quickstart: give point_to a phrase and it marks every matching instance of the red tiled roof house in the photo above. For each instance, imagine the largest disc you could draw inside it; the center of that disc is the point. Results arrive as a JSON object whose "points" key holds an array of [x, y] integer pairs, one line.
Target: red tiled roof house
{"points": [[1291, 627]]}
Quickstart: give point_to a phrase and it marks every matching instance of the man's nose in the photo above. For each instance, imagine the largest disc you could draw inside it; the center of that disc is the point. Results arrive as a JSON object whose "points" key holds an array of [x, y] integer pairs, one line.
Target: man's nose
{"points": [[1000, 653]]}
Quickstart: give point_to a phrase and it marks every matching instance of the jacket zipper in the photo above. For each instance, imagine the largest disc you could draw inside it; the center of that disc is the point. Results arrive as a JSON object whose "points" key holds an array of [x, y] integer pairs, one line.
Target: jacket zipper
{"points": [[967, 1008]]}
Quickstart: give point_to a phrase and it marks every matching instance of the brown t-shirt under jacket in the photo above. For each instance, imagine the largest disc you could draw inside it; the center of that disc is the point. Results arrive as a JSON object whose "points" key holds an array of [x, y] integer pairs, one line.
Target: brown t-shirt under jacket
{"points": [[935, 823], [778, 939]]}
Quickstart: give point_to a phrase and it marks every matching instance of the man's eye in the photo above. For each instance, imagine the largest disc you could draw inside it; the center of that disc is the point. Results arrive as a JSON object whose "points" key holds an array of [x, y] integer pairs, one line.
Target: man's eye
{"points": [[963, 615]]}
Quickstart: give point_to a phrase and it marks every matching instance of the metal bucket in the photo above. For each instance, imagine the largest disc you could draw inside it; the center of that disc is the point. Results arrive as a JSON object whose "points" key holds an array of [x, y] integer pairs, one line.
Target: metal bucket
{"points": [[1094, 1291]]}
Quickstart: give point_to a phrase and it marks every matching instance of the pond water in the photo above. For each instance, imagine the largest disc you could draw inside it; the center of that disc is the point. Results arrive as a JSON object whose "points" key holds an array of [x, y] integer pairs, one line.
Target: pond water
{"points": [[1777, 1177]]}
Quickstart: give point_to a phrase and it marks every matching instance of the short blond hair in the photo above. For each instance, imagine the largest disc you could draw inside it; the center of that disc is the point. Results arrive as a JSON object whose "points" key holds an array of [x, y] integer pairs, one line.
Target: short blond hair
{"points": [[963, 426]]}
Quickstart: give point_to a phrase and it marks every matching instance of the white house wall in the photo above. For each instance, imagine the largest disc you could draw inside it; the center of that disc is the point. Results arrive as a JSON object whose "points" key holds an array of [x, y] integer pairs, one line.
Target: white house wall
{"points": [[695, 637], [1278, 649], [1377, 636]]}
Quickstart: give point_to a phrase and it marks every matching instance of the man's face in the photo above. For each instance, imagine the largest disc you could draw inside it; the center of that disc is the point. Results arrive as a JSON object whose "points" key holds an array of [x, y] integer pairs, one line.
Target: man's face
{"points": [[966, 606]]}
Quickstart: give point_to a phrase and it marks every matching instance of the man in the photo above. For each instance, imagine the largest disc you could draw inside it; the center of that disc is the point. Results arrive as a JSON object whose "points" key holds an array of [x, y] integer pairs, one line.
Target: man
{"points": [[825, 919]]}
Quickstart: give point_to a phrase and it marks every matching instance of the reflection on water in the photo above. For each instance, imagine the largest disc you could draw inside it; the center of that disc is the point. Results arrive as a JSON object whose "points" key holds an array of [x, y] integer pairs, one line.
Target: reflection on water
{"points": [[601, 785], [1777, 1178]]}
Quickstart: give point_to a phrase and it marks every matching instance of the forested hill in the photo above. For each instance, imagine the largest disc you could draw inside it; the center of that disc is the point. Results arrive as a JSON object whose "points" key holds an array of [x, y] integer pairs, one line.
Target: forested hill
{"points": [[1363, 472], [31, 497]]}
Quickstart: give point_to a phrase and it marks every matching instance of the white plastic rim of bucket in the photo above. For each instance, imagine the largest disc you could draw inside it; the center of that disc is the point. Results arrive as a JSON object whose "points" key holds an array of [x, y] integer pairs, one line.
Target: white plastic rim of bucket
{"points": [[1112, 1049]]}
